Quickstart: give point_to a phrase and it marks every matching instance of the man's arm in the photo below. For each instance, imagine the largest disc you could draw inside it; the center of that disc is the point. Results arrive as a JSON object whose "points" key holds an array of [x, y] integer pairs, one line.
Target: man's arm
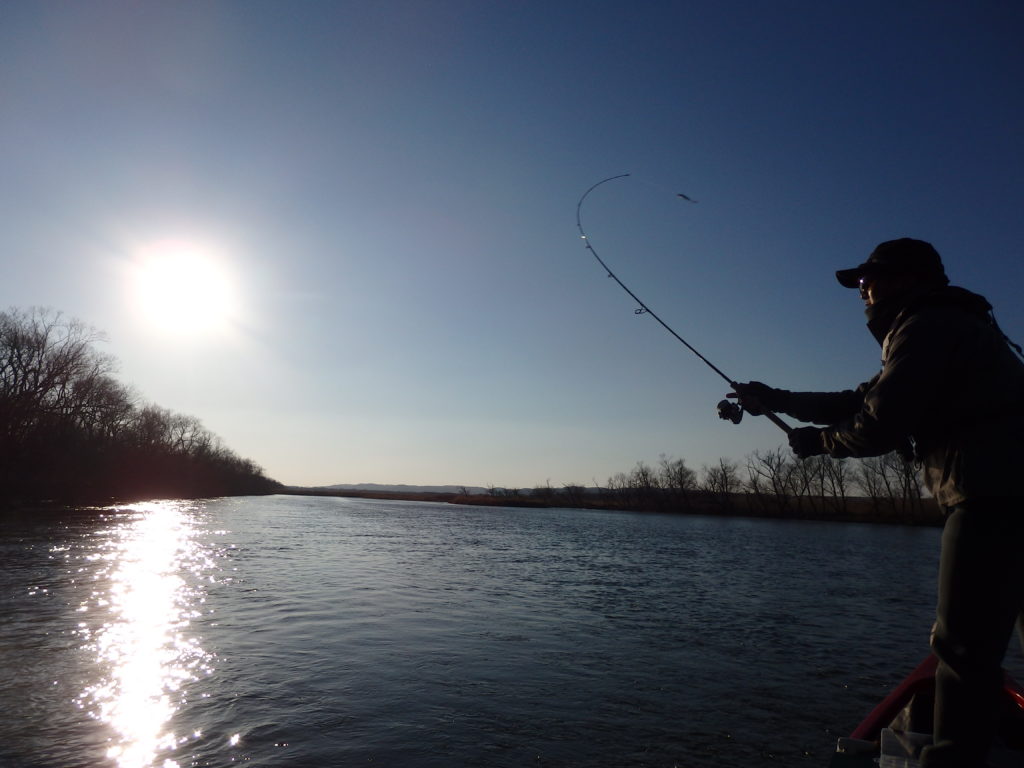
{"points": [[826, 407], [813, 407]]}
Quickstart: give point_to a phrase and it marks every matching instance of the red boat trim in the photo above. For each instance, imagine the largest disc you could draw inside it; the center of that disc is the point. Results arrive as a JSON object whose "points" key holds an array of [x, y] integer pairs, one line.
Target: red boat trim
{"points": [[1014, 690], [921, 678], [882, 715]]}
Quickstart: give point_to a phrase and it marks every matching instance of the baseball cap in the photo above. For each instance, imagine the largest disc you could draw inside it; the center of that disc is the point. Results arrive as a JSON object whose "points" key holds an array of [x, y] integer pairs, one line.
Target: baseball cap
{"points": [[903, 256]]}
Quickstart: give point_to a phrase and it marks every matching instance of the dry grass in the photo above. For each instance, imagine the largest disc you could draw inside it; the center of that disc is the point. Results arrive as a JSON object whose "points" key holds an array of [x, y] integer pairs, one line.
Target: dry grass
{"points": [[853, 509]]}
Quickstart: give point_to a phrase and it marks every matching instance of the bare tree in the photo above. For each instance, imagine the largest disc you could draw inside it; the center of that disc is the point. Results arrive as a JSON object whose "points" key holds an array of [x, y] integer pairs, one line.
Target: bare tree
{"points": [[543, 492], [48, 370], [639, 489], [770, 479], [618, 490], [838, 480], [677, 482], [187, 435], [68, 429], [574, 495], [721, 482], [892, 484]]}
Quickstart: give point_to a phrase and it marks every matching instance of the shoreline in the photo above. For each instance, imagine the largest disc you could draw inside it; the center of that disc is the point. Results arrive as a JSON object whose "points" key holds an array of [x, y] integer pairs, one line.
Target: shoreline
{"points": [[826, 509]]}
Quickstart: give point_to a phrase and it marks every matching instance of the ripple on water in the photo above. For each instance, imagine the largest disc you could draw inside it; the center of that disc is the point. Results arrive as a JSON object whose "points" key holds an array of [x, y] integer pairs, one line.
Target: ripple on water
{"points": [[286, 631]]}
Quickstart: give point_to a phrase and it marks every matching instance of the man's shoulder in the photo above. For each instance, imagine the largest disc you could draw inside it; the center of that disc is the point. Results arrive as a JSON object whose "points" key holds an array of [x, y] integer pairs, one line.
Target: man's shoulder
{"points": [[941, 315], [929, 330], [949, 301]]}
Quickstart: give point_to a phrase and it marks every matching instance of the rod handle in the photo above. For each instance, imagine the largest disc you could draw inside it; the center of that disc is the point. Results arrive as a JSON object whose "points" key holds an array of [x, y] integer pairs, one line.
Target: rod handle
{"points": [[778, 422]]}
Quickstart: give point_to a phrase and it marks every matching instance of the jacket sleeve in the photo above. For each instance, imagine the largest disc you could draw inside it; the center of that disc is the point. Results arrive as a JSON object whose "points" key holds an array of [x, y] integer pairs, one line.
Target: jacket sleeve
{"points": [[861, 436], [826, 407]]}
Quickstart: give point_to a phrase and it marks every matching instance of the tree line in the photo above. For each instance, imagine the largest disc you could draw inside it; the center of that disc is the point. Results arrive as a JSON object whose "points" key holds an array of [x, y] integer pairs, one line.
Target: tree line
{"points": [[767, 484], [71, 433]]}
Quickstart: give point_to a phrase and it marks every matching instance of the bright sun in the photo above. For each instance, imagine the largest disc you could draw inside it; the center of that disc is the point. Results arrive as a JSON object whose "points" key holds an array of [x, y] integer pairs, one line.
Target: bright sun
{"points": [[183, 289]]}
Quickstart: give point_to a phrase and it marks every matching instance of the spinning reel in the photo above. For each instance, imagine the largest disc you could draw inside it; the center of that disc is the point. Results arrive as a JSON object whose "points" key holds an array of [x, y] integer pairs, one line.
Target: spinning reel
{"points": [[730, 411]]}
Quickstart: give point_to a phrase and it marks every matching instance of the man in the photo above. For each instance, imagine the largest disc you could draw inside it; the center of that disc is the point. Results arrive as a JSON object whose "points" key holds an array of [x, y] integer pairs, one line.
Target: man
{"points": [[952, 391]]}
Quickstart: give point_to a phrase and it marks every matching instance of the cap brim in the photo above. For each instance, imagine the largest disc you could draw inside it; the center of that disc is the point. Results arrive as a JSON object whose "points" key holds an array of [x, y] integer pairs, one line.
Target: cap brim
{"points": [[850, 278]]}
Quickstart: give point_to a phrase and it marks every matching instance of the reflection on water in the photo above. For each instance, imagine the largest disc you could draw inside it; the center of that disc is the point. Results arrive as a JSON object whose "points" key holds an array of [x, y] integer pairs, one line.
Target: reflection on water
{"points": [[135, 621]]}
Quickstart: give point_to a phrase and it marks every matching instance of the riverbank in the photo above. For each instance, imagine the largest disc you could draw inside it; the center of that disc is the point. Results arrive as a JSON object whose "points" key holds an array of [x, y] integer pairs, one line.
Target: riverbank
{"points": [[830, 509]]}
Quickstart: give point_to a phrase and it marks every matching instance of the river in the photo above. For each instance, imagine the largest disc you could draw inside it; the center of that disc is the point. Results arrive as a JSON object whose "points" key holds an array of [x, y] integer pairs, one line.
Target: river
{"points": [[306, 631]]}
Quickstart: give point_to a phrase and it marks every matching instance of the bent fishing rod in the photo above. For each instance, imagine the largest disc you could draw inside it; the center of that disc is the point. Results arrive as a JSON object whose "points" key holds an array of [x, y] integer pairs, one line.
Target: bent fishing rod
{"points": [[726, 410]]}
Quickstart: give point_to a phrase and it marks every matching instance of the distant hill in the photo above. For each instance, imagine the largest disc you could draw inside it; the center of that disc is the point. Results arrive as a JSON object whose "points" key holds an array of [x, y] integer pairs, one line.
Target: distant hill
{"points": [[403, 488]]}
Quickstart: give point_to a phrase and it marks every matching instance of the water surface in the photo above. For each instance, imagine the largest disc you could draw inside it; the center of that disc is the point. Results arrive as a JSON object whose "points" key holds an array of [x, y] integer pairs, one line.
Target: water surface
{"points": [[291, 631]]}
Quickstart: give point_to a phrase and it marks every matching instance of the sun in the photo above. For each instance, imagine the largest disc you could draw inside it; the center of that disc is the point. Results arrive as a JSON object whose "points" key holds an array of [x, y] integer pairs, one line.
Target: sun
{"points": [[183, 289]]}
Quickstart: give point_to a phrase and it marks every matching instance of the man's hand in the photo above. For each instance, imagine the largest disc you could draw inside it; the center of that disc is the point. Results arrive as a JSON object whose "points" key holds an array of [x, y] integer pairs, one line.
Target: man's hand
{"points": [[756, 398], [806, 442]]}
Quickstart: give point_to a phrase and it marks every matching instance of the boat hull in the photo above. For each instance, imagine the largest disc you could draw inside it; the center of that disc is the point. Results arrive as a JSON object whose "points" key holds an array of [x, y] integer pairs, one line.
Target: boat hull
{"points": [[894, 732]]}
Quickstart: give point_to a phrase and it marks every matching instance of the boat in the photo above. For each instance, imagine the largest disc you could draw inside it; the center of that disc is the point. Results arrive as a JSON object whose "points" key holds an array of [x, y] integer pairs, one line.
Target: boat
{"points": [[896, 730]]}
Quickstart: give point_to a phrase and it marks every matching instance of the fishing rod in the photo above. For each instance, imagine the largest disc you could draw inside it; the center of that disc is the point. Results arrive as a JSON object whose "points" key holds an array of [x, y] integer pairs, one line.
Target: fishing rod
{"points": [[726, 410]]}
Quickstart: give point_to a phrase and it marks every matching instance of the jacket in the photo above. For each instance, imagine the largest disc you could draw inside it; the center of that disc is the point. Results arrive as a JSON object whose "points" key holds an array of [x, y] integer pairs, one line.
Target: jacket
{"points": [[950, 385]]}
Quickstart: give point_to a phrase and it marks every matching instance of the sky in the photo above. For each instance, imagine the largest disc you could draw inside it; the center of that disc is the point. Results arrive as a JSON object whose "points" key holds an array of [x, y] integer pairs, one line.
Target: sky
{"points": [[343, 234]]}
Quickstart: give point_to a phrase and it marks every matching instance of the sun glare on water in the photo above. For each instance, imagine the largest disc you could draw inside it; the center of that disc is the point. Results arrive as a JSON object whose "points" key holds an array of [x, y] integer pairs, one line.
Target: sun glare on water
{"points": [[148, 571], [182, 289]]}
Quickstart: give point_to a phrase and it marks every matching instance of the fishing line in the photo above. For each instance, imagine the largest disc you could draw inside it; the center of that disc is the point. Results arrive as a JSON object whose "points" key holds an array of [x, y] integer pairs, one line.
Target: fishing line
{"points": [[724, 408], [660, 188]]}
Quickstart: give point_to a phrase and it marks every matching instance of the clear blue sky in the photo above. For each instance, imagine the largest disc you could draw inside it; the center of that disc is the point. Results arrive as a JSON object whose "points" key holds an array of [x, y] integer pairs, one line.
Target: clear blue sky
{"points": [[387, 194]]}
